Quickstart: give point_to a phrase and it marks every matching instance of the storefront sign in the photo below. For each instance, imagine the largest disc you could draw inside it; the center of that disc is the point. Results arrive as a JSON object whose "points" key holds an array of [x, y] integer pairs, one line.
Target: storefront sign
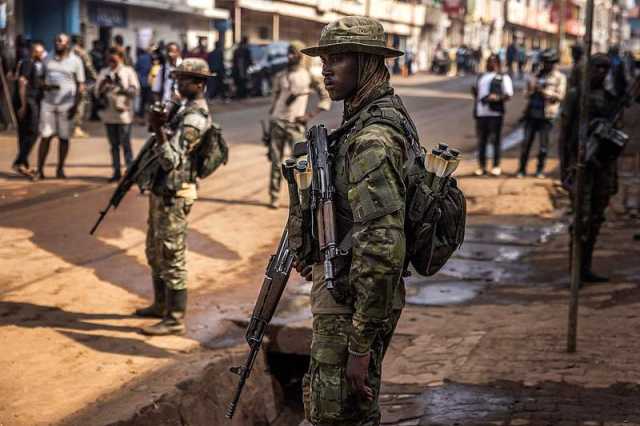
{"points": [[107, 15]]}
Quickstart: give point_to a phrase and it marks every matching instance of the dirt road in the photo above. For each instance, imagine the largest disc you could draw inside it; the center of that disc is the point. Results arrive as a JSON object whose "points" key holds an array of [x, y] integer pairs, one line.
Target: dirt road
{"points": [[66, 297]]}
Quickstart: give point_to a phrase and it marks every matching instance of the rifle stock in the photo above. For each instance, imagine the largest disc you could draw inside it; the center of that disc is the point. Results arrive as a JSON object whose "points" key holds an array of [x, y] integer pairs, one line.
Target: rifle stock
{"points": [[273, 285]]}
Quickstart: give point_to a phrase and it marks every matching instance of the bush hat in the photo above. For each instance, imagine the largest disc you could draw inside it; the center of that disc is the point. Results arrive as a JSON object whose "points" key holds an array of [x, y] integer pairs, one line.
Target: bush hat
{"points": [[357, 34], [194, 67]]}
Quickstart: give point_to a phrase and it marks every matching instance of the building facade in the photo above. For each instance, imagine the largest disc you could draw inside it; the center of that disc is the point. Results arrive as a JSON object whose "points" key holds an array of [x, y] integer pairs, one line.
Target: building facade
{"points": [[140, 22]]}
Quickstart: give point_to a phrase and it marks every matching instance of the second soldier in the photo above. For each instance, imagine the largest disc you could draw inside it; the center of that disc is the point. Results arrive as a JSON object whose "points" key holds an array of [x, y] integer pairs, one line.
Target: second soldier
{"points": [[173, 193], [291, 91]]}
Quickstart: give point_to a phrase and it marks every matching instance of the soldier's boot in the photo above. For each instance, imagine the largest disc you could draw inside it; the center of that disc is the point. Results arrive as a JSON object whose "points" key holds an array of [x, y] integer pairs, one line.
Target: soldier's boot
{"points": [[173, 321], [156, 309], [587, 274]]}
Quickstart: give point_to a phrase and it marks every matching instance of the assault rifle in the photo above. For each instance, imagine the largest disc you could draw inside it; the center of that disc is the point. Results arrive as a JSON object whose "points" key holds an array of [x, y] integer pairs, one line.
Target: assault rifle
{"points": [[142, 162], [605, 142], [266, 133], [322, 192], [275, 280]]}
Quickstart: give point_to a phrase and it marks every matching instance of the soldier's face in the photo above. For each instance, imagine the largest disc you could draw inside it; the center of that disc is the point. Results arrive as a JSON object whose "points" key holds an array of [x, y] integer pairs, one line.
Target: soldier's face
{"points": [[61, 43], [190, 87], [340, 72]]}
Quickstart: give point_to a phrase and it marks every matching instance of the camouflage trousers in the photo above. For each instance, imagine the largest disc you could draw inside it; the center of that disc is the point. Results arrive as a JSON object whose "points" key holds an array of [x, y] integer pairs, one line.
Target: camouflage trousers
{"points": [[328, 398], [166, 235], [283, 135]]}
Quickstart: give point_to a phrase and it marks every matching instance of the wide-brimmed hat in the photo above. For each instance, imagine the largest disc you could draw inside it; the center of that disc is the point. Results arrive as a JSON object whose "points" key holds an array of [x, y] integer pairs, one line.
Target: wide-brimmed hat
{"points": [[357, 34], [195, 67]]}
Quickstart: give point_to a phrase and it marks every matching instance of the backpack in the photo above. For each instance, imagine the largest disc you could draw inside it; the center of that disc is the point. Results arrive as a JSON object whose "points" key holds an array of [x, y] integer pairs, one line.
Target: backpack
{"points": [[434, 222], [210, 153]]}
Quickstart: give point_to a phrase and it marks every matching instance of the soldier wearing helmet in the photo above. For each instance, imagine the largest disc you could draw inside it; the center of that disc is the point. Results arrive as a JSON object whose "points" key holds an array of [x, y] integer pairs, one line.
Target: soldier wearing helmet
{"points": [[352, 327], [173, 193], [292, 88]]}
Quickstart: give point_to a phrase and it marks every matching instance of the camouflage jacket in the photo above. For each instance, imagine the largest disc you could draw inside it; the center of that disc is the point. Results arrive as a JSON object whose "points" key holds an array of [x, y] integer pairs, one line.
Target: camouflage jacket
{"points": [[176, 175], [370, 209]]}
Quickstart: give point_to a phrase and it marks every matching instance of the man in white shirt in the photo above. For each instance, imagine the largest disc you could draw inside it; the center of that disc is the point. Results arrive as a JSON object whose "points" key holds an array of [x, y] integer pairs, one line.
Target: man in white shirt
{"points": [[492, 90], [164, 86], [64, 84]]}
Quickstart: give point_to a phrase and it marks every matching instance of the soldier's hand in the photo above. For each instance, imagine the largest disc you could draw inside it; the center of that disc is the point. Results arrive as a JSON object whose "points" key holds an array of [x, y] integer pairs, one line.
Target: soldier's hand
{"points": [[157, 118], [358, 375], [304, 119], [304, 270]]}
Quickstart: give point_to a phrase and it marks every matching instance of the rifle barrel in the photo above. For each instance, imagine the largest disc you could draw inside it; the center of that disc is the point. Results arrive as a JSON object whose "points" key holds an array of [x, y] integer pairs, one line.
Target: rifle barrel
{"points": [[103, 213]]}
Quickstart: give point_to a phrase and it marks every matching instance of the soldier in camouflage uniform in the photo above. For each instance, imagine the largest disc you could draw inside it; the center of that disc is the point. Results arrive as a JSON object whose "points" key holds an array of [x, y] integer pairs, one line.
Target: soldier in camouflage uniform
{"points": [[172, 196], [291, 90], [91, 76], [351, 333], [601, 181]]}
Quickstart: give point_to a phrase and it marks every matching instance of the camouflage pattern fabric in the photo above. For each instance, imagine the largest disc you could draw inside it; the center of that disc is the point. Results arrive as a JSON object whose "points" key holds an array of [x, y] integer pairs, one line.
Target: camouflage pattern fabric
{"points": [[328, 398], [172, 195], [370, 200], [283, 134], [165, 245]]}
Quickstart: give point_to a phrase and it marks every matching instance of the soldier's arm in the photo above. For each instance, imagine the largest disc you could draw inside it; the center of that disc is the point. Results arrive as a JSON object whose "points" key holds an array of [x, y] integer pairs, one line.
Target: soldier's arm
{"points": [[172, 153], [275, 91], [567, 118], [377, 197]]}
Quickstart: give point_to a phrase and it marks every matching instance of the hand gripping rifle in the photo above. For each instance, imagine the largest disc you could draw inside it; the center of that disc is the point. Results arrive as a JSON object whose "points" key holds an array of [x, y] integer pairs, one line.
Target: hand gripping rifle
{"points": [[143, 160], [275, 280]]}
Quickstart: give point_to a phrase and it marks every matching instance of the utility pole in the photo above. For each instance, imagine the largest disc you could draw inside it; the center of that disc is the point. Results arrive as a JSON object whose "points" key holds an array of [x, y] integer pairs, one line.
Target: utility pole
{"points": [[562, 12], [577, 243]]}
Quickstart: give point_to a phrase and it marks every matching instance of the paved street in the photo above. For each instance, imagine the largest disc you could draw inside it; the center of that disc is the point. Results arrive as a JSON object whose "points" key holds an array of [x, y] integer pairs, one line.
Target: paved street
{"points": [[72, 351]]}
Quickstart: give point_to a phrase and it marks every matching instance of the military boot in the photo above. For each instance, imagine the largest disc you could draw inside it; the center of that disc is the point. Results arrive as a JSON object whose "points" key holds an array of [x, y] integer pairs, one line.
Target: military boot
{"points": [[156, 309], [173, 321], [587, 275]]}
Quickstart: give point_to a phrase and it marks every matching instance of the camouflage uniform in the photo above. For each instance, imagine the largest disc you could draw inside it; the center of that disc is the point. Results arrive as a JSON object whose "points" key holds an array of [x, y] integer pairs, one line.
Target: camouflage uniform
{"points": [[173, 193], [291, 90], [91, 76], [601, 182], [370, 210]]}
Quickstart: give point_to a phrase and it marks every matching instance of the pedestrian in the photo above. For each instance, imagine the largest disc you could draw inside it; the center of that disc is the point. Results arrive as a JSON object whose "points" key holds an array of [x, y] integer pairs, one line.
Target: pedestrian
{"points": [[117, 86], [118, 43], [64, 84], [77, 42], [201, 50], [575, 77], [461, 53], [98, 62], [492, 90], [352, 333], [545, 91], [512, 56], [217, 85], [292, 88], [617, 80], [522, 60], [601, 178], [144, 62], [164, 86], [241, 63], [173, 193], [27, 104]]}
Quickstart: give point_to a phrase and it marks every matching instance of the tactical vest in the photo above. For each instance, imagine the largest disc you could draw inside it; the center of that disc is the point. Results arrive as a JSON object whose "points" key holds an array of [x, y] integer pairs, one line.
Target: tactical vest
{"points": [[167, 183], [434, 222]]}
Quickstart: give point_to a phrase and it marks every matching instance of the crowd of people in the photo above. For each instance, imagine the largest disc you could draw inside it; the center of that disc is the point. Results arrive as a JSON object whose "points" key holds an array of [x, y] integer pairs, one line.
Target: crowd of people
{"points": [[553, 98], [55, 92]]}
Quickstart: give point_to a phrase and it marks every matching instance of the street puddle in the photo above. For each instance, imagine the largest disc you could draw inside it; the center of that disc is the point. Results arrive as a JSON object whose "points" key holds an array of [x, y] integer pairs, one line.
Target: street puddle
{"points": [[426, 293], [492, 252], [513, 235]]}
